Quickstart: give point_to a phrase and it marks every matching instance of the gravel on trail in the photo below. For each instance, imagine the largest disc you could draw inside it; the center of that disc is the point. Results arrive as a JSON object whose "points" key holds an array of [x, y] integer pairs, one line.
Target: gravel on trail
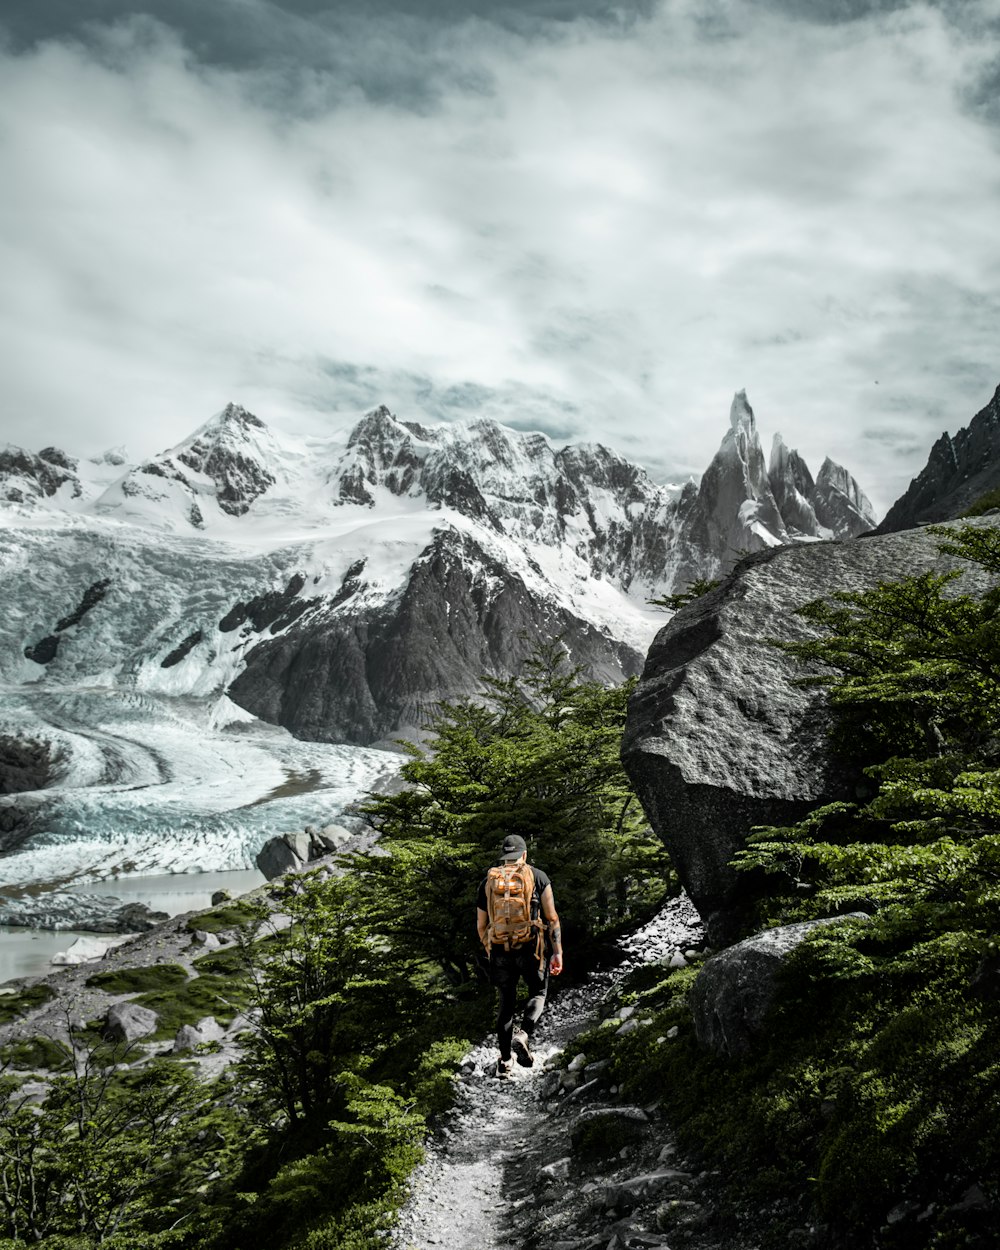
{"points": [[499, 1172]]}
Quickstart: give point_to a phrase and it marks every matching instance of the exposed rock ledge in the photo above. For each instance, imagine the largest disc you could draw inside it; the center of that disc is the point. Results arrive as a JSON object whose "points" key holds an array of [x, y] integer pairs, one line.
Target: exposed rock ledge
{"points": [[718, 739]]}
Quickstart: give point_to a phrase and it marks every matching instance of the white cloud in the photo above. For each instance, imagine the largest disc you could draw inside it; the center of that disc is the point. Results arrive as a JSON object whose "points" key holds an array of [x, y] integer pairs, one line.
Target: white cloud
{"points": [[628, 225]]}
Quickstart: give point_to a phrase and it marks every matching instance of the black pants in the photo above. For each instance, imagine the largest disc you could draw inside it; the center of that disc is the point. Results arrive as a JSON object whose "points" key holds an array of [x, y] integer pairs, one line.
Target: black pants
{"points": [[506, 969]]}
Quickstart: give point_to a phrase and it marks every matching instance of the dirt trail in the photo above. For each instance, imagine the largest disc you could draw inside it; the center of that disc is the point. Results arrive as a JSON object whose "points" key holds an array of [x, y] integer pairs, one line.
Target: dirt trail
{"points": [[465, 1193]]}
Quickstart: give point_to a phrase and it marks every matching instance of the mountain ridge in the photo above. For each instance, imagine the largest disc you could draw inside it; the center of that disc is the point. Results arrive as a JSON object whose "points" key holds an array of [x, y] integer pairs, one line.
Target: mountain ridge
{"points": [[374, 574]]}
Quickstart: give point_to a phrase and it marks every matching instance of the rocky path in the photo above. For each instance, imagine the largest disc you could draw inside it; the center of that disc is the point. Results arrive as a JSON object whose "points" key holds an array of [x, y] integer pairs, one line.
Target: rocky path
{"points": [[500, 1173]]}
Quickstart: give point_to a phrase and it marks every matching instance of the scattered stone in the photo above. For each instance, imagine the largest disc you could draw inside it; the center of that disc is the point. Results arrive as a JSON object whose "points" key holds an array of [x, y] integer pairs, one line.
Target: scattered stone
{"points": [[550, 1085], [628, 1027], [582, 1091], [221, 896], [209, 940], [577, 1063]]}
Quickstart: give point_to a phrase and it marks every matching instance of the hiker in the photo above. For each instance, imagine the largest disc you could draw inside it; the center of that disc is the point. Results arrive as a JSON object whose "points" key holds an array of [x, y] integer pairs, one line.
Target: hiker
{"points": [[517, 922]]}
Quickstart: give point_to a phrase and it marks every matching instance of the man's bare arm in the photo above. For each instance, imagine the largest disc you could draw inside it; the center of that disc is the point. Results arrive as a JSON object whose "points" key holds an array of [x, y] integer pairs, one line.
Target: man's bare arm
{"points": [[482, 924], [555, 930]]}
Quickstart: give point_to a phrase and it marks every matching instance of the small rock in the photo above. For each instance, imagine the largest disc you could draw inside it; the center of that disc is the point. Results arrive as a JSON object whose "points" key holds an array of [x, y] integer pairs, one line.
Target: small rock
{"points": [[557, 1171], [628, 1027], [626, 1013], [220, 896], [209, 940], [575, 1064], [548, 1085], [582, 1091]]}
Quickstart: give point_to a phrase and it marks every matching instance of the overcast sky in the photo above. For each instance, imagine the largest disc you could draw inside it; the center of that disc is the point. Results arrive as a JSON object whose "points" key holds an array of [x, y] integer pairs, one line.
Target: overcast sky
{"points": [[599, 220]]}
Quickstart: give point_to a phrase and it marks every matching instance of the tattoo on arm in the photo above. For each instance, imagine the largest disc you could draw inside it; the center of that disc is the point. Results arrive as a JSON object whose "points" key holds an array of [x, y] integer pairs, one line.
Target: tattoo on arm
{"points": [[555, 933]]}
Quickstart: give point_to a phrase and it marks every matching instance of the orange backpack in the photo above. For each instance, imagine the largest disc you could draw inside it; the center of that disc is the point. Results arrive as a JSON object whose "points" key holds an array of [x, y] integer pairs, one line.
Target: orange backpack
{"points": [[509, 890]]}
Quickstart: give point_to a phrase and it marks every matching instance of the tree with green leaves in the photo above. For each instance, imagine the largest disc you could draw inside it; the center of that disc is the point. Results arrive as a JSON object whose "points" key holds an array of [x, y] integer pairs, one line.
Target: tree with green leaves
{"points": [[536, 755], [108, 1158]]}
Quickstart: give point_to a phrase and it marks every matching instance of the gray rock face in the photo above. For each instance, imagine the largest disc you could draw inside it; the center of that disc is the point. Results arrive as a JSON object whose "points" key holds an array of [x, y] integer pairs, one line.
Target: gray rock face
{"points": [[718, 739], [841, 505], [338, 677], [959, 470], [735, 989], [25, 764], [25, 476], [128, 1022], [332, 838], [225, 454]]}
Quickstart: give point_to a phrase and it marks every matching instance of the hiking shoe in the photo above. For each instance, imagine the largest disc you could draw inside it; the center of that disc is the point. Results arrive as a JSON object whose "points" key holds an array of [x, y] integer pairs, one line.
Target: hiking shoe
{"points": [[519, 1042], [504, 1068]]}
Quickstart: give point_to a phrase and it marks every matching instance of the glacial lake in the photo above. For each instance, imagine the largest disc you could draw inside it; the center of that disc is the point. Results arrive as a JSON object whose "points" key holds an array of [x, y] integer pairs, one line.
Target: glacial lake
{"points": [[27, 952]]}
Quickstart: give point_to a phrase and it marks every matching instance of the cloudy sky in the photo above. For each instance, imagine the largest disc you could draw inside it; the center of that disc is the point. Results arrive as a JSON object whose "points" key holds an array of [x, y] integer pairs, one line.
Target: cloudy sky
{"points": [[596, 219]]}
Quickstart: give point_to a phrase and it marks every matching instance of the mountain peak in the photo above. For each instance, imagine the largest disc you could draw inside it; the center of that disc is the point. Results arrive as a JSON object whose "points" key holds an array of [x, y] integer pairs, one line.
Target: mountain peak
{"points": [[376, 425], [740, 412], [234, 418]]}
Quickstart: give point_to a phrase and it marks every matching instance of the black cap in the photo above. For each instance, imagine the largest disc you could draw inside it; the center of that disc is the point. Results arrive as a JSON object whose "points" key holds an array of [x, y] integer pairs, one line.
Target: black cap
{"points": [[513, 847]]}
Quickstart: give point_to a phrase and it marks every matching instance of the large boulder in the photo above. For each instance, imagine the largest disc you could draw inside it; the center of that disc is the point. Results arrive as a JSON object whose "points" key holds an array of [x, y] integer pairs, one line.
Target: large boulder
{"points": [[719, 738], [128, 1022], [280, 855], [190, 1036], [735, 989]]}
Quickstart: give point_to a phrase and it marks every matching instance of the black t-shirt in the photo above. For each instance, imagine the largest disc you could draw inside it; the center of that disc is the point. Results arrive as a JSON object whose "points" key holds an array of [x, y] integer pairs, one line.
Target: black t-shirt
{"points": [[541, 881]]}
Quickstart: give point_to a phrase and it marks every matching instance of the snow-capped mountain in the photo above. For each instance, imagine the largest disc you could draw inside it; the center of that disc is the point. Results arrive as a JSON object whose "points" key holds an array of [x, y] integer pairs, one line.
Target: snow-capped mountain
{"points": [[341, 587]]}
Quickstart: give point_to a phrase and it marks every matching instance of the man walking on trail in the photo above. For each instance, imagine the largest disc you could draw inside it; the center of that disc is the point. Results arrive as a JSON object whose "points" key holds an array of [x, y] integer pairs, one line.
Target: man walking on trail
{"points": [[517, 923]]}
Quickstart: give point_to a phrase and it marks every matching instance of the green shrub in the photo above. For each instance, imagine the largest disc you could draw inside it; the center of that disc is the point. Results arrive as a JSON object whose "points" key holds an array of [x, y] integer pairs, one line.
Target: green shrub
{"points": [[226, 916], [135, 980], [35, 1053], [24, 1001]]}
